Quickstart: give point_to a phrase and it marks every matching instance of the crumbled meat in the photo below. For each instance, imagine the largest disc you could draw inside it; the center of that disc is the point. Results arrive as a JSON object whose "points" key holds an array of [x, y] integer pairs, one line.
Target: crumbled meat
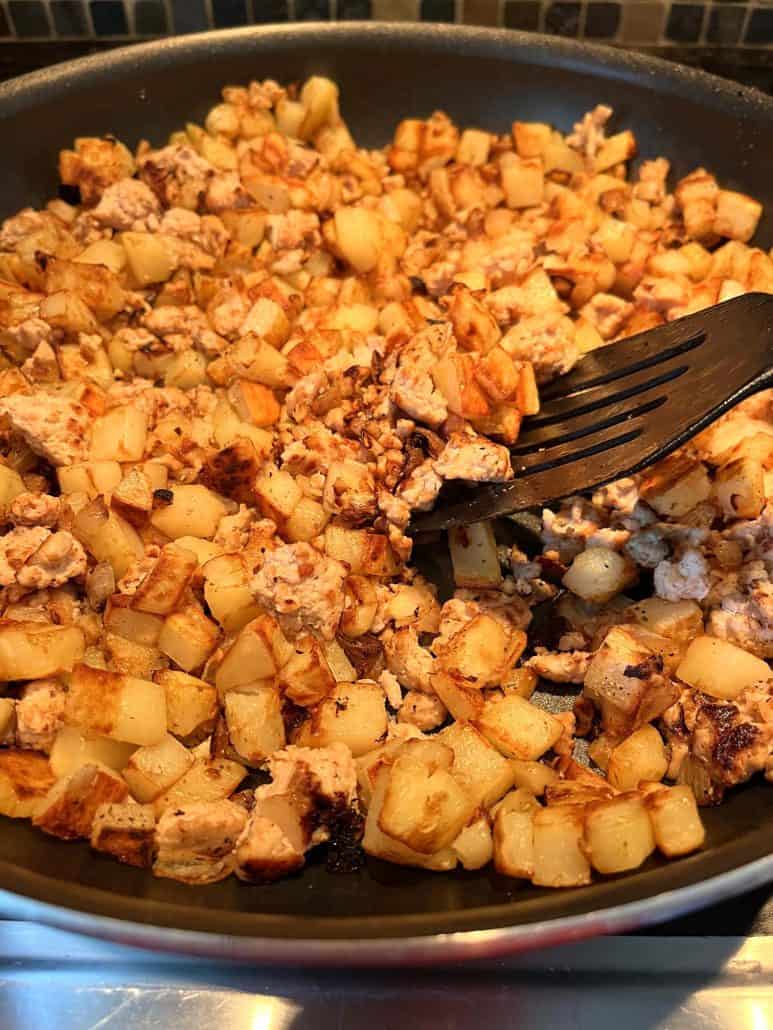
{"points": [[412, 664], [424, 711], [303, 587], [560, 667], [196, 843], [685, 577], [53, 426], [128, 204], [474, 458], [40, 714], [28, 509], [588, 134], [177, 175]]}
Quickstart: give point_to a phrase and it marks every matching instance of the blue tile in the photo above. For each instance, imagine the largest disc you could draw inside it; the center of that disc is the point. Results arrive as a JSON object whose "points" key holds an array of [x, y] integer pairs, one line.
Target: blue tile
{"points": [[29, 18], [109, 18], [228, 13]]}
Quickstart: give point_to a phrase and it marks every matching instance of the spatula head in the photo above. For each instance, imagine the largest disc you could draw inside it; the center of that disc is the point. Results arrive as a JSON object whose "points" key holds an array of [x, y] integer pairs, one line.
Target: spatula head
{"points": [[626, 406]]}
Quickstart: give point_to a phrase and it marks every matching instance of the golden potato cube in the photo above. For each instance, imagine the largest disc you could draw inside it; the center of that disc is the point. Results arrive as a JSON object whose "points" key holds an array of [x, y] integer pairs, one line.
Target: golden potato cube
{"points": [[532, 776], [739, 487], [359, 236], [227, 592], [123, 620], [619, 834], [353, 714], [736, 215], [474, 146], [598, 574], [278, 494], [514, 843], [366, 553], [377, 843], [25, 779], [254, 403], [191, 705], [164, 587], [208, 779], [233, 470], [674, 486], [193, 511], [132, 499], [150, 257], [642, 756], [679, 620], [475, 844], [721, 669], [482, 652], [307, 521], [109, 704], [107, 536], [133, 659], [72, 749], [69, 808], [254, 723], [119, 435], [34, 650], [126, 832], [523, 180], [306, 678], [518, 728], [615, 150], [676, 821], [474, 556], [559, 851], [152, 770], [531, 138], [256, 654], [480, 769], [463, 702], [188, 637]]}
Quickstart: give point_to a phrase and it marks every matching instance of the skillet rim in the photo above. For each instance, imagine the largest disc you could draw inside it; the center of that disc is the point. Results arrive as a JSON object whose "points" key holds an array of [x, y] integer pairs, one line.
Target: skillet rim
{"points": [[443, 941]]}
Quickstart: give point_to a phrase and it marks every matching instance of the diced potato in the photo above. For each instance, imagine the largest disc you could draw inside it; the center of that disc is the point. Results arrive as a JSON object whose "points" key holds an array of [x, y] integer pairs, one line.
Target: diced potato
{"points": [[353, 714], [306, 678], [258, 653], [90, 477], [25, 779], [133, 659], [679, 620], [278, 494], [475, 845], [366, 553], [531, 138], [518, 728], [150, 258], [523, 180], [104, 252], [674, 486], [721, 669], [188, 637], [481, 770], [119, 435], [532, 776], [514, 843], [598, 574], [208, 779], [7, 720], [558, 156], [463, 702], [254, 403], [360, 607], [191, 705], [739, 487], [559, 852], [126, 832], [139, 627], [474, 556], [359, 236], [69, 808], [205, 550], [34, 650], [619, 834], [615, 150], [375, 842], [482, 652], [307, 521], [132, 499], [193, 511], [642, 756], [108, 704], [676, 821], [163, 588], [521, 681], [71, 749], [11, 485], [95, 284], [736, 216], [474, 147], [152, 770], [227, 591], [107, 537], [424, 806], [254, 723]]}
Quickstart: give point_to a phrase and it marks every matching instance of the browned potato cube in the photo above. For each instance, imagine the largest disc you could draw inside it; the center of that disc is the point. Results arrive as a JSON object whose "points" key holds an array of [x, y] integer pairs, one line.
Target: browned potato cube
{"points": [[517, 727], [125, 832], [480, 769], [108, 704], [619, 834], [514, 843], [152, 770], [133, 498], [188, 637], [739, 487], [306, 677], [674, 486], [463, 702], [353, 713], [559, 851], [34, 650], [227, 591], [25, 780], [208, 779], [676, 821], [164, 587], [132, 659], [191, 705], [642, 756], [258, 653], [254, 723], [532, 776], [482, 652], [69, 808]]}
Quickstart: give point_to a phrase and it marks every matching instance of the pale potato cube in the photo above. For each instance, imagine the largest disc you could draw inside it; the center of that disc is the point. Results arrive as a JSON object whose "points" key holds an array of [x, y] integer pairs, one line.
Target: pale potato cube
{"points": [[152, 770], [739, 487], [123, 620], [559, 851], [191, 705], [531, 138], [375, 842], [359, 236], [424, 806], [737, 216], [25, 780], [474, 556], [107, 537], [208, 779], [474, 146], [514, 843], [676, 821], [463, 702], [642, 756], [205, 550], [366, 553], [164, 587], [360, 606], [227, 591], [482, 652], [132, 499], [278, 494], [475, 844], [34, 650], [598, 574], [188, 637], [720, 669], [307, 521], [523, 180], [257, 653], [675, 486], [150, 257], [109, 704], [679, 620], [619, 834], [254, 723], [193, 511], [518, 728], [532, 776], [353, 714], [104, 252], [119, 435], [72, 749], [267, 321], [89, 477], [306, 677], [70, 806], [480, 769], [134, 659]]}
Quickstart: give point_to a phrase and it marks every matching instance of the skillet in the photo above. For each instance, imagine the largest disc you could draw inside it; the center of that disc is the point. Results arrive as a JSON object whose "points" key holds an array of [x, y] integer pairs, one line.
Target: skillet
{"points": [[383, 914]]}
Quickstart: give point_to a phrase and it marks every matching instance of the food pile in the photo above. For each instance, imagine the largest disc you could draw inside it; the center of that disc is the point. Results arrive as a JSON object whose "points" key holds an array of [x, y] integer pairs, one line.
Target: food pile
{"points": [[232, 368]]}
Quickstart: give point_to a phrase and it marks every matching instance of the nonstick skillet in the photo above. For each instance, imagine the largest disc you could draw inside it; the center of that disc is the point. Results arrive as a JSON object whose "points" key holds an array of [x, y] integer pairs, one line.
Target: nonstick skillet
{"points": [[383, 914]]}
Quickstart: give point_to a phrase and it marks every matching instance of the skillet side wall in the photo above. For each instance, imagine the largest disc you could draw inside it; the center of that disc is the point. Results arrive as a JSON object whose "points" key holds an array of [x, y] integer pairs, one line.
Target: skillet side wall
{"points": [[385, 73]]}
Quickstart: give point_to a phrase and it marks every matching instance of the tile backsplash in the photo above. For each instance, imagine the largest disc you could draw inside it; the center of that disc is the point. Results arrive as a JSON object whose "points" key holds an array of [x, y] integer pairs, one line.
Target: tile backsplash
{"points": [[662, 24]]}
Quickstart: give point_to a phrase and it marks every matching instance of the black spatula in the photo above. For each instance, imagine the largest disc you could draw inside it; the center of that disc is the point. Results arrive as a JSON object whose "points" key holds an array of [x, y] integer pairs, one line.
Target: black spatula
{"points": [[627, 405]]}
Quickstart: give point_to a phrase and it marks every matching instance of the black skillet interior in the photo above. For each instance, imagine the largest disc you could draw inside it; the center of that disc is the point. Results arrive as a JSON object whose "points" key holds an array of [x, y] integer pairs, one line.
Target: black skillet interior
{"points": [[385, 73]]}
